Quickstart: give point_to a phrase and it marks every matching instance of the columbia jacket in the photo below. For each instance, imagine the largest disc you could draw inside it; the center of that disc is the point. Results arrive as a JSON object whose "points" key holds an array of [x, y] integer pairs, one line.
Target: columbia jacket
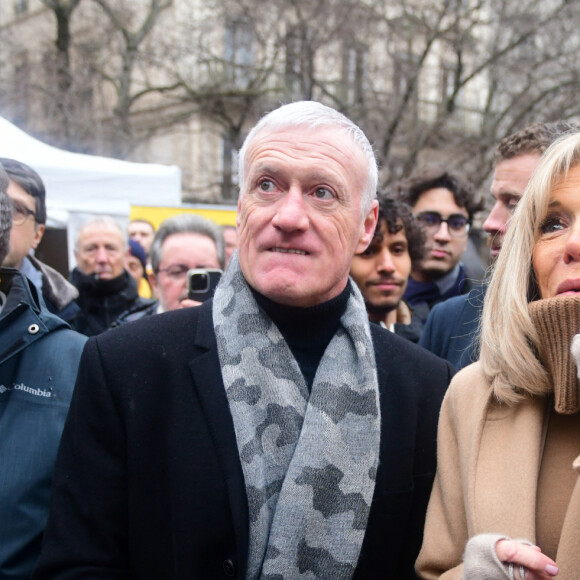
{"points": [[39, 356]]}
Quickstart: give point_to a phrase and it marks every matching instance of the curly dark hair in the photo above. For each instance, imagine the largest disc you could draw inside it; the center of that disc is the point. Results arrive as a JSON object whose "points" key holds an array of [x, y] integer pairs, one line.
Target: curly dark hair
{"points": [[398, 216], [429, 177], [535, 138]]}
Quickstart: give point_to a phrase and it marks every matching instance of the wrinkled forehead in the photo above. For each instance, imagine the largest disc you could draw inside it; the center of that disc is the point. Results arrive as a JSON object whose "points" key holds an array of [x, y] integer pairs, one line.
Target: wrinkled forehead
{"points": [[101, 231], [512, 175], [312, 146], [332, 131]]}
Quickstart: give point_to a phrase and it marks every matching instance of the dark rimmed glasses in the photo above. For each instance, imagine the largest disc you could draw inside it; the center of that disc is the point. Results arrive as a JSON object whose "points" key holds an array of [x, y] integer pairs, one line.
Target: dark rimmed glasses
{"points": [[176, 272], [20, 213], [457, 225]]}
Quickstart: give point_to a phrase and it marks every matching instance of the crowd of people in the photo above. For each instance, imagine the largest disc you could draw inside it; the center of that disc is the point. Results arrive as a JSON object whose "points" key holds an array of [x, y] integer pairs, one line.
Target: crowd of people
{"points": [[311, 416]]}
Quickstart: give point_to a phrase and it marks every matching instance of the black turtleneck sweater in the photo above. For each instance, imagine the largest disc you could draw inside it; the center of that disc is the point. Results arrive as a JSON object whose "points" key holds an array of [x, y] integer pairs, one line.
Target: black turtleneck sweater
{"points": [[307, 331]]}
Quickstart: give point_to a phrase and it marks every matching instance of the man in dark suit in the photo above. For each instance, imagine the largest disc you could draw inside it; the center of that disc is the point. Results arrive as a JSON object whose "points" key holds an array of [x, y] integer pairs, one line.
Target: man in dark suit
{"points": [[269, 433], [452, 326]]}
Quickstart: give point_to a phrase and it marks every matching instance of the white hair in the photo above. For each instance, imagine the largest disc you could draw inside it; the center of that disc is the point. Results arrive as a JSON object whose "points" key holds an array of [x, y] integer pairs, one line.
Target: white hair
{"points": [[105, 221], [311, 114]]}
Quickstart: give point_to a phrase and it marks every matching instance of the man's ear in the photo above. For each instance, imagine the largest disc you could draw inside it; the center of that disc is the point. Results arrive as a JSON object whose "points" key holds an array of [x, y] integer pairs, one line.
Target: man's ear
{"points": [[38, 233], [368, 228], [153, 283]]}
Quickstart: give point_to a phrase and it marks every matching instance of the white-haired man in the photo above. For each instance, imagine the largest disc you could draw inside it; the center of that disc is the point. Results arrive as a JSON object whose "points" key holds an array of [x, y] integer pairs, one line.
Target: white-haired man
{"points": [[106, 289], [246, 437]]}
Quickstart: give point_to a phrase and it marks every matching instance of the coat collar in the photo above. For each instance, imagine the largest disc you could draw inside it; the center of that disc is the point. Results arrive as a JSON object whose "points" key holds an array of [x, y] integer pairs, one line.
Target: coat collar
{"points": [[24, 318]]}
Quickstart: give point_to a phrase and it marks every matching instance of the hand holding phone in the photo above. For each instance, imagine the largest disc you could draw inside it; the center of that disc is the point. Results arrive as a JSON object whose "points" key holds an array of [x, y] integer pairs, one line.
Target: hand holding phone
{"points": [[202, 282]]}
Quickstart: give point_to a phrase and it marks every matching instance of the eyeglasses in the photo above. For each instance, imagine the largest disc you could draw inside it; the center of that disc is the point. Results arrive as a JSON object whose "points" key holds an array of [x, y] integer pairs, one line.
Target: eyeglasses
{"points": [[457, 225], [20, 213], [176, 272]]}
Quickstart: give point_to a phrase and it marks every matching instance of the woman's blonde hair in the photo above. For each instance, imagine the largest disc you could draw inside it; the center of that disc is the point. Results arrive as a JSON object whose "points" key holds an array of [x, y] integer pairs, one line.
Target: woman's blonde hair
{"points": [[509, 341]]}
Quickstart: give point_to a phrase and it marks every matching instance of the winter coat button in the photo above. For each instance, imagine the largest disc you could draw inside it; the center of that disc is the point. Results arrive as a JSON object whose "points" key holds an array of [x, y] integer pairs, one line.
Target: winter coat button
{"points": [[229, 568], [33, 329]]}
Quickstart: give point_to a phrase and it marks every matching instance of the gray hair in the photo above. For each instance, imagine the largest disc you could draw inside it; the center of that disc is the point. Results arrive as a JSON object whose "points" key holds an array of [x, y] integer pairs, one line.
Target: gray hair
{"points": [[312, 115], [5, 215], [104, 220], [185, 223]]}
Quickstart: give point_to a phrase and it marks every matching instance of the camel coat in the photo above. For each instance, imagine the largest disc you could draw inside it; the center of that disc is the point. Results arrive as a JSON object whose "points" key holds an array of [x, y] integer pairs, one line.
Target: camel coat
{"points": [[489, 457]]}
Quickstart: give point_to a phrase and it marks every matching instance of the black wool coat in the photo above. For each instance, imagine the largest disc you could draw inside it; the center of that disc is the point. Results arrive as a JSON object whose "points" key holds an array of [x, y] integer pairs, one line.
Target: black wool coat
{"points": [[148, 482]]}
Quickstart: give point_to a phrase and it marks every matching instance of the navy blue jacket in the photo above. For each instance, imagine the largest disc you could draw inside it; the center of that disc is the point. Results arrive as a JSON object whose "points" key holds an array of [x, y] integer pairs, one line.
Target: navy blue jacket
{"points": [[149, 483], [39, 357], [423, 296], [452, 327]]}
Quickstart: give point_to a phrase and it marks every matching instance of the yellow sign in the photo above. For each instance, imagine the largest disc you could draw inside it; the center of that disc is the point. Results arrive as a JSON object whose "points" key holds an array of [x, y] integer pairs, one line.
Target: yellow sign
{"points": [[220, 214]]}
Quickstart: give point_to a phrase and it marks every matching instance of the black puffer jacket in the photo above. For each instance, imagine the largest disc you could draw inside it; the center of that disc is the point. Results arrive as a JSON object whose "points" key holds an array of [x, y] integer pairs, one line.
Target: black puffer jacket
{"points": [[101, 302]]}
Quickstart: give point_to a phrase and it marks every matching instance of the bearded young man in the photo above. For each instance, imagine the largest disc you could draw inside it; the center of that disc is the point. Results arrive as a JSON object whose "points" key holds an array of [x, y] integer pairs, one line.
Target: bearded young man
{"points": [[382, 271]]}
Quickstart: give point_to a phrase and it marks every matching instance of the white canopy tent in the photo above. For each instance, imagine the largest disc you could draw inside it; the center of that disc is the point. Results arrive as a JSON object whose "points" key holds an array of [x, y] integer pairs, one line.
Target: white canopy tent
{"points": [[80, 186], [88, 184]]}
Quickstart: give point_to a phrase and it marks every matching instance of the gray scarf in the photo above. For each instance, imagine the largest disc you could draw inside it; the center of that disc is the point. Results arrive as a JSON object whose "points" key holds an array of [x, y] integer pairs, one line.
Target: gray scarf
{"points": [[309, 459]]}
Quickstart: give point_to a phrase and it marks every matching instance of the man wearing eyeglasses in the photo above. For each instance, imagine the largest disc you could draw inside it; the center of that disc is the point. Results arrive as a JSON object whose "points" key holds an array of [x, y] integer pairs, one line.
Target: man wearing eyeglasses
{"points": [[28, 197], [444, 204], [451, 329], [39, 357], [181, 243]]}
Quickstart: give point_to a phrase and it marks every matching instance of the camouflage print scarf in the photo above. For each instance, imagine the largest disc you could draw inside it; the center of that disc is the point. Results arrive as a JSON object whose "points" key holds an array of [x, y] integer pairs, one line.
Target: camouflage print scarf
{"points": [[309, 460]]}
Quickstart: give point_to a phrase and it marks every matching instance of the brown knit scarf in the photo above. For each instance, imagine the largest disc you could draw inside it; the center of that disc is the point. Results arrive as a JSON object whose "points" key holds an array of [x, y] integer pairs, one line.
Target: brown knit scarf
{"points": [[557, 321]]}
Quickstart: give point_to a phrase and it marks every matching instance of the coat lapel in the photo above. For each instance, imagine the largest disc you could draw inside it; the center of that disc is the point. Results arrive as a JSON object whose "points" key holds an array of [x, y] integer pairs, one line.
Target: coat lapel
{"points": [[208, 385], [503, 483]]}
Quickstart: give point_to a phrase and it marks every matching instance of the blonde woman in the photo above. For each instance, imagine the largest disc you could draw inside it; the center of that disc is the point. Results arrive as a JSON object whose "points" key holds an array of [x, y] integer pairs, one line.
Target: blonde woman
{"points": [[506, 498]]}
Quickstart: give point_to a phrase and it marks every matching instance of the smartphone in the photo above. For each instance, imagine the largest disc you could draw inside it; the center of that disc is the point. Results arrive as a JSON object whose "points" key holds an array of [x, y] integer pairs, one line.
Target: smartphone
{"points": [[202, 282]]}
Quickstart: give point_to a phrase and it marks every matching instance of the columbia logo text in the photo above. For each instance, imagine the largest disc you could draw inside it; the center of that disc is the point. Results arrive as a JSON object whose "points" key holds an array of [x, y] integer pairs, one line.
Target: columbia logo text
{"points": [[26, 389]]}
